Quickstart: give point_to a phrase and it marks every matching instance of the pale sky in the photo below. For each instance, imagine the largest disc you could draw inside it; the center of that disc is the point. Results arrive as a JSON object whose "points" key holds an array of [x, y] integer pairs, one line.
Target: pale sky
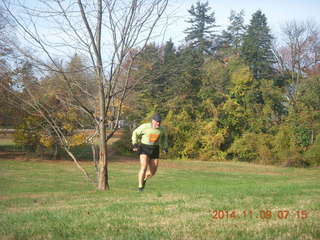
{"points": [[277, 12]]}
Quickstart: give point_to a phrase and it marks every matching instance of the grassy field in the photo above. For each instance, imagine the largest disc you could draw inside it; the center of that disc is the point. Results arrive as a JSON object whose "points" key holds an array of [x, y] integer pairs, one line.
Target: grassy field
{"points": [[186, 200]]}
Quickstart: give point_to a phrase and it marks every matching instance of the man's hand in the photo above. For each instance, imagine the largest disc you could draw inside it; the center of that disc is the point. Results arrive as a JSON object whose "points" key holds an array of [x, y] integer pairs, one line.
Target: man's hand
{"points": [[135, 147]]}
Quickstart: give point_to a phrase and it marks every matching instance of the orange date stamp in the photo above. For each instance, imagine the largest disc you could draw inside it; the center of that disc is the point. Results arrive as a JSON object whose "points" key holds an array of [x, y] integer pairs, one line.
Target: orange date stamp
{"points": [[259, 214]]}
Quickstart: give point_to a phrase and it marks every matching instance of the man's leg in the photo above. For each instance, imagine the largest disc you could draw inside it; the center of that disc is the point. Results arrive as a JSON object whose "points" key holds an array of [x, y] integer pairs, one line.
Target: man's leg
{"points": [[153, 166], [143, 169]]}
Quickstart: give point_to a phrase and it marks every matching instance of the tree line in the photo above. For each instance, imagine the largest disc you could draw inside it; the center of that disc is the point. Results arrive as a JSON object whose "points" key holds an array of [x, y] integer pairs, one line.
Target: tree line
{"points": [[235, 95]]}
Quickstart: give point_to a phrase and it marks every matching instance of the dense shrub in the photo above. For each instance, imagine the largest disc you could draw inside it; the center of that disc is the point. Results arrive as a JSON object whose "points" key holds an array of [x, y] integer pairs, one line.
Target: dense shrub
{"points": [[312, 156], [252, 147], [37, 137], [27, 134], [182, 137]]}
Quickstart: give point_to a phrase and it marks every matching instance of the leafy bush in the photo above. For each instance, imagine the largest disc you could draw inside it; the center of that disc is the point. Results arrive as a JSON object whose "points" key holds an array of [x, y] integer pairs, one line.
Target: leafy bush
{"points": [[28, 133], [292, 145], [283, 142], [295, 159], [252, 147], [182, 137], [312, 155], [37, 137]]}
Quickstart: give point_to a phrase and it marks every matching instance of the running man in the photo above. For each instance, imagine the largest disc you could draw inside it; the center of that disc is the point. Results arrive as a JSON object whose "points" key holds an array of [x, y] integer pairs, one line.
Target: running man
{"points": [[152, 137]]}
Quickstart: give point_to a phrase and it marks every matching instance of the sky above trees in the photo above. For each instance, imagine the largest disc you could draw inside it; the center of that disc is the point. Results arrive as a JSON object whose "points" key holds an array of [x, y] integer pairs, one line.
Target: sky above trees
{"points": [[173, 26], [277, 12]]}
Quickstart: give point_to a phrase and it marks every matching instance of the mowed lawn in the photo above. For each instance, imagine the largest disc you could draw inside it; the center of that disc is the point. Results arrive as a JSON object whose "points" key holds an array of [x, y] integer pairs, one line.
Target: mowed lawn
{"points": [[186, 200]]}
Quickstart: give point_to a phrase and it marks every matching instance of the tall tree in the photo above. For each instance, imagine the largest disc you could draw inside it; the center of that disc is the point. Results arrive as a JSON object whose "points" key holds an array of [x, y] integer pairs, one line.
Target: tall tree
{"points": [[105, 32], [200, 34], [257, 47], [172, 78], [233, 36]]}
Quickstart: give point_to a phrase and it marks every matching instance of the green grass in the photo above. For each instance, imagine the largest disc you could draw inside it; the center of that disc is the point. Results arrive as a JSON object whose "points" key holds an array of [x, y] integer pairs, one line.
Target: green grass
{"points": [[51, 200]]}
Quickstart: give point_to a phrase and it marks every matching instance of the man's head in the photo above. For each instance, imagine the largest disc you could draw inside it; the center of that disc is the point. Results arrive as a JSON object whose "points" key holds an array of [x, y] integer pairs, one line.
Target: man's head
{"points": [[156, 120]]}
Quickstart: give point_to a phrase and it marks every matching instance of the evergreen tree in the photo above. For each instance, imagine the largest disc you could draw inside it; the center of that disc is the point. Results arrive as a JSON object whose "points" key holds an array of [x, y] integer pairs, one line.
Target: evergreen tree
{"points": [[149, 66], [169, 55], [157, 70], [257, 47], [233, 36], [186, 82], [200, 34]]}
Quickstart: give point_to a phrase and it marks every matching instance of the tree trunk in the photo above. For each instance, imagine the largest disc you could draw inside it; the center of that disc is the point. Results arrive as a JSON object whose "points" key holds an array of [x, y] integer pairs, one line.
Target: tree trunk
{"points": [[103, 162]]}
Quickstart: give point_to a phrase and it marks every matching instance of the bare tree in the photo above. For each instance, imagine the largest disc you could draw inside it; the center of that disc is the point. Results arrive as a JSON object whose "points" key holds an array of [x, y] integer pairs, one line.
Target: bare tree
{"points": [[300, 55], [110, 33]]}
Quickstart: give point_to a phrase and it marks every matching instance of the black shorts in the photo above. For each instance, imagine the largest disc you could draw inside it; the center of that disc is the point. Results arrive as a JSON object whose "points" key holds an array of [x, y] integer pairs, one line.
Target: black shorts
{"points": [[152, 151]]}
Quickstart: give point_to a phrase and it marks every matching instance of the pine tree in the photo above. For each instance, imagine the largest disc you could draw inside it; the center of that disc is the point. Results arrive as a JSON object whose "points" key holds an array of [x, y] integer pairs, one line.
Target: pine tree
{"points": [[200, 34], [233, 36], [257, 47]]}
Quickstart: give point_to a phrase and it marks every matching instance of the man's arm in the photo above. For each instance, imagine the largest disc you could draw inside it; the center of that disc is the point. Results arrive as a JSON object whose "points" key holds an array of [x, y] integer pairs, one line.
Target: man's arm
{"points": [[134, 139], [135, 134]]}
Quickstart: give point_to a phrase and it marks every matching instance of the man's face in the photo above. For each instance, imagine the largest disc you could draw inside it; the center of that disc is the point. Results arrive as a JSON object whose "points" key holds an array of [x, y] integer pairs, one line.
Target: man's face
{"points": [[155, 124]]}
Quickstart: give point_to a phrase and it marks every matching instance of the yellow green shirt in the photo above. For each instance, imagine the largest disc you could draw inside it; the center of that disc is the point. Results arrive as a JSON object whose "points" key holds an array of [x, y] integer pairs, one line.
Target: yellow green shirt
{"points": [[150, 135]]}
